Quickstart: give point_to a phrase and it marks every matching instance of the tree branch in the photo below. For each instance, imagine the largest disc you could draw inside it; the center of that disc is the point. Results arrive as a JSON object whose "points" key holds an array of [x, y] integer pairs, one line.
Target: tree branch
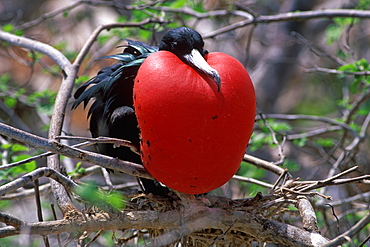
{"points": [[195, 219], [85, 49], [70, 73], [342, 238], [291, 16], [11, 220], [75, 153], [269, 166], [40, 47], [62, 10], [29, 177], [311, 118], [308, 214]]}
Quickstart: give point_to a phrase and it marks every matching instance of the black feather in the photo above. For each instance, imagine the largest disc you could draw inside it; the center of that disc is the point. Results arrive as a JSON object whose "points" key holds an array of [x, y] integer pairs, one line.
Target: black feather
{"points": [[112, 113]]}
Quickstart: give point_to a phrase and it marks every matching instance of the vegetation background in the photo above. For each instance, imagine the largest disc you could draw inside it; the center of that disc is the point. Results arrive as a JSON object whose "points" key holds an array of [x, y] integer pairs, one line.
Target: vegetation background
{"points": [[311, 75]]}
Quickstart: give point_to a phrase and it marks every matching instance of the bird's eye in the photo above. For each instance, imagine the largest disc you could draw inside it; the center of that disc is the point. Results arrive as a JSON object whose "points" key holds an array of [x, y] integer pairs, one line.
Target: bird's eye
{"points": [[173, 44]]}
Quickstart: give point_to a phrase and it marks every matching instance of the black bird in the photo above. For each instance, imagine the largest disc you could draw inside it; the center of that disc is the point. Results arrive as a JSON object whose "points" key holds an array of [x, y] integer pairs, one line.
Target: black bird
{"points": [[112, 114]]}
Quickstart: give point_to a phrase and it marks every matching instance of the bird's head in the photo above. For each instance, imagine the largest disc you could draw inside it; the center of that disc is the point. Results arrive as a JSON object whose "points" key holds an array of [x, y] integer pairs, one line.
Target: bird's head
{"points": [[188, 44]]}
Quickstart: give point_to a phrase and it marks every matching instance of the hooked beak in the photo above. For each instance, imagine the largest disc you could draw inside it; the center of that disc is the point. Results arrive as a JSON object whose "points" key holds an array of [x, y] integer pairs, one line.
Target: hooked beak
{"points": [[196, 60]]}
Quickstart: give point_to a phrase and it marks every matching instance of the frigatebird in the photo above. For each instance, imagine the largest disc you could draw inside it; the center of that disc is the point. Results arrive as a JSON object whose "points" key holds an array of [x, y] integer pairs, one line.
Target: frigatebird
{"points": [[178, 127]]}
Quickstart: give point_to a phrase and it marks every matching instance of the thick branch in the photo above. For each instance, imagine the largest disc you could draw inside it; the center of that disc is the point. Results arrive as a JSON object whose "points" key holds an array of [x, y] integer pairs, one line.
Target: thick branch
{"points": [[11, 220], [63, 95], [34, 45], [308, 214], [198, 218], [40, 172], [78, 154]]}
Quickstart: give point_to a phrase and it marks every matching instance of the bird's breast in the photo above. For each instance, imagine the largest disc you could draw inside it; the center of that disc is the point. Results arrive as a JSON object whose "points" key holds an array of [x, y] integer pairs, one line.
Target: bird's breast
{"points": [[193, 136]]}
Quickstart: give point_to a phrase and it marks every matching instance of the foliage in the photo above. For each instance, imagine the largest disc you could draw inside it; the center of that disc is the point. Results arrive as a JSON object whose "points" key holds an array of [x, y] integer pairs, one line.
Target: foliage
{"points": [[100, 199], [325, 133], [14, 152]]}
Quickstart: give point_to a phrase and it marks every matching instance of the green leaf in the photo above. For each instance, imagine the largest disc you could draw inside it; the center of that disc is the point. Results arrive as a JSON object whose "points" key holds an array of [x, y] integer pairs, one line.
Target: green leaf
{"points": [[292, 165], [101, 199], [258, 140], [10, 102], [4, 82], [178, 3], [325, 142], [363, 4], [357, 66], [248, 170], [348, 67], [364, 109], [361, 65], [6, 146], [78, 169], [14, 147], [103, 38], [334, 31], [24, 168], [65, 14], [8, 27], [278, 126], [11, 29], [301, 142], [122, 19], [345, 21], [82, 79], [43, 101], [18, 147], [35, 56]]}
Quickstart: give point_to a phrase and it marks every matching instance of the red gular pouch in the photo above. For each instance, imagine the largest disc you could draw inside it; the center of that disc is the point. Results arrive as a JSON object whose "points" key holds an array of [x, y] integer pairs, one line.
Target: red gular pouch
{"points": [[193, 136]]}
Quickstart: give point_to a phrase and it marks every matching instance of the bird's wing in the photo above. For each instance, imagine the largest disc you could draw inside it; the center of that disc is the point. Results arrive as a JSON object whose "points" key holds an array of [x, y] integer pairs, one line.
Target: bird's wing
{"points": [[102, 85], [112, 114]]}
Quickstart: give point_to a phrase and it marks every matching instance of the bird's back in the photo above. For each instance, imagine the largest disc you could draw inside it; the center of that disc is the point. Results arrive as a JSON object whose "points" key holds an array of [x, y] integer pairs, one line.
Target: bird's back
{"points": [[112, 113]]}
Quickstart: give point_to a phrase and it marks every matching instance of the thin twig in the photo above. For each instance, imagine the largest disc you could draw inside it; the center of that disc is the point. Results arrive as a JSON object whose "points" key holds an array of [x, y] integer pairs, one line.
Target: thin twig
{"points": [[280, 162], [316, 50], [55, 218], [260, 163], [309, 117], [85, 49], [291, 16], [39, 209], [350, 148], [102, 139], [62, 10], [332, 181], [310, 194], [337, 72], [349, 233], [252, 181]]}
